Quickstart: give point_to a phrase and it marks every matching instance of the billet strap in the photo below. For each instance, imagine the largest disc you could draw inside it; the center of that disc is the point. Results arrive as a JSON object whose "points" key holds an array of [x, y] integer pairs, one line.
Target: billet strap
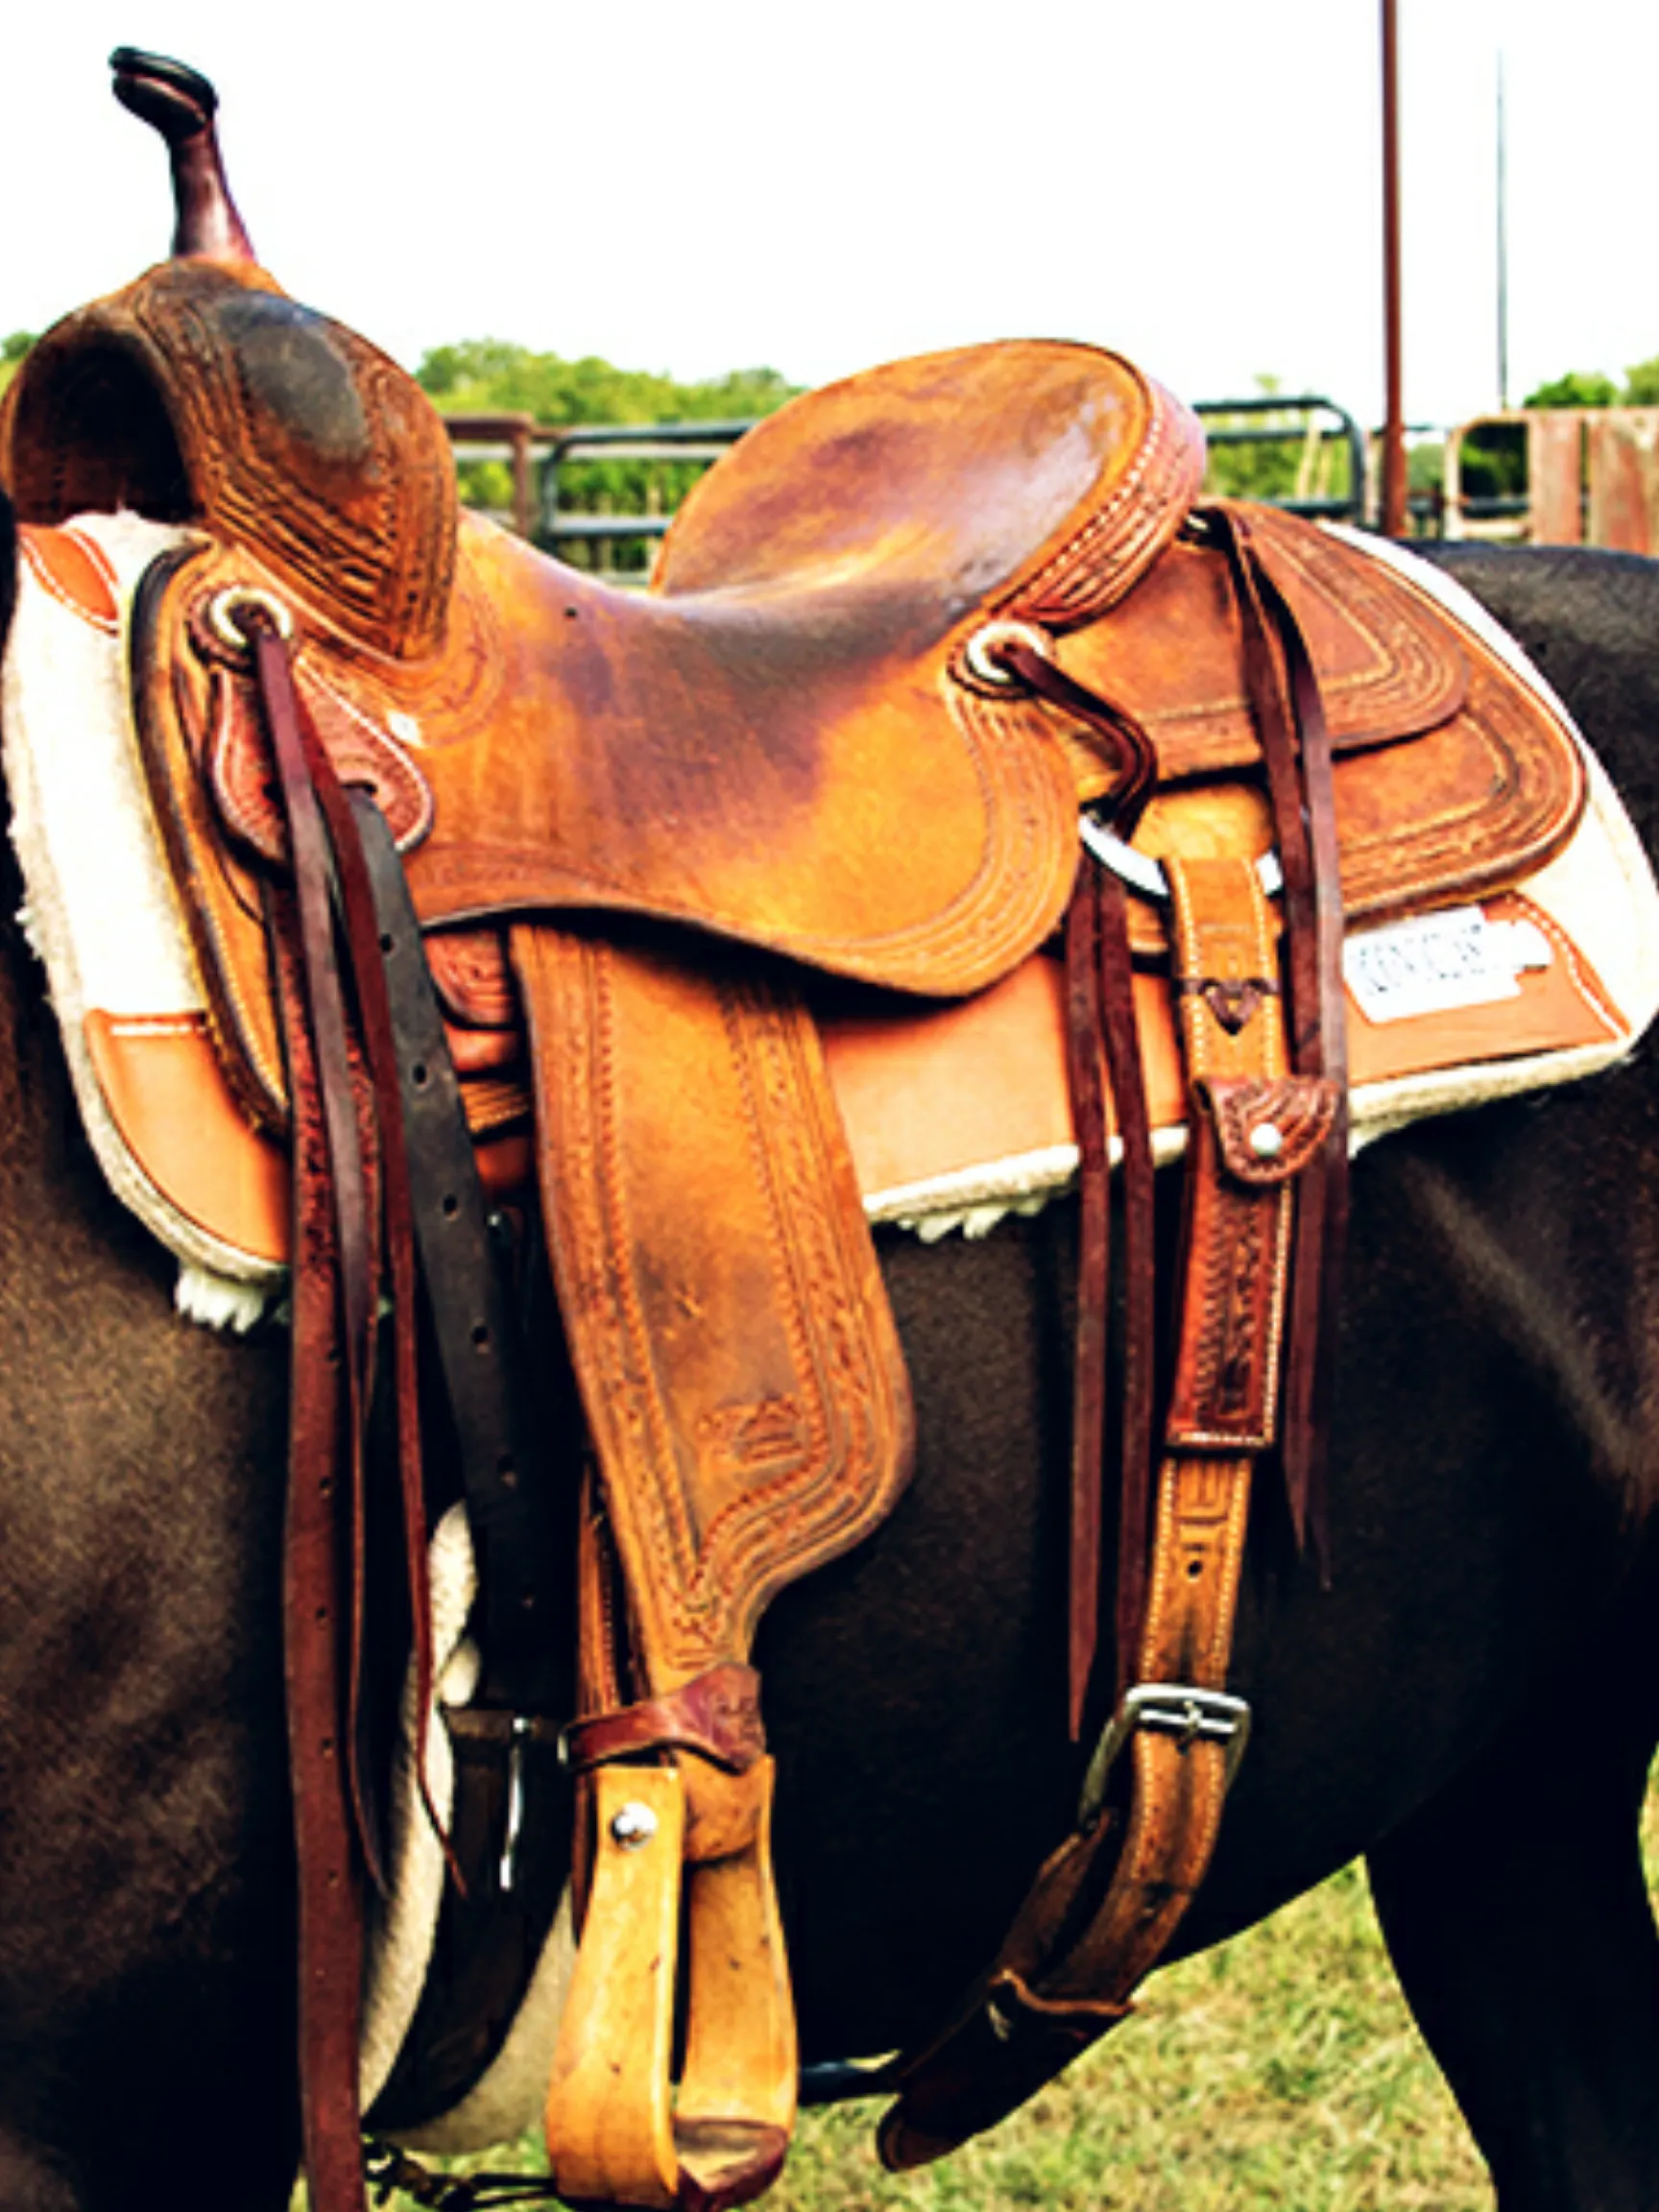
{"points": [[522, 1578], [332, 1289], [1126, 1076], [1107, 1903], [1087, 1074], [330, 877]]}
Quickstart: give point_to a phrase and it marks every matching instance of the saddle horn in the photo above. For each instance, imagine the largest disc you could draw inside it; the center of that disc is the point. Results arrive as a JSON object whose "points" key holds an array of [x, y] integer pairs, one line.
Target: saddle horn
{"points": [[180, 103]]}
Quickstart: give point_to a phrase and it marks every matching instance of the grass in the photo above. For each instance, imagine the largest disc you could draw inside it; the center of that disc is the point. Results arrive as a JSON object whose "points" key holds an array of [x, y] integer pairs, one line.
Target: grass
{"points": [[1278, 2073]]}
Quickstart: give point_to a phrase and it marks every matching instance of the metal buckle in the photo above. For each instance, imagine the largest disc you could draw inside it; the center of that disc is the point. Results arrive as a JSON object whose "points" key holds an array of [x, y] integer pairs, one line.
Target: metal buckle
{"points": [[1179, 1709]]}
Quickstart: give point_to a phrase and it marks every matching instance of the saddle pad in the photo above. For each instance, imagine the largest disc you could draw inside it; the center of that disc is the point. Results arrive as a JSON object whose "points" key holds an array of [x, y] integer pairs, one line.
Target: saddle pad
{"points": [[104, 917], [174, 1143]]}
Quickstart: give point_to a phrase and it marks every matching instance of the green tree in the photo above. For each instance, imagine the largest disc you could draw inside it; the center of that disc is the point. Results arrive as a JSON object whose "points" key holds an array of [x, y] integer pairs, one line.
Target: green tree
{"points": [[492, 375], [11, 352], [1642, 384], [1577, 388]]}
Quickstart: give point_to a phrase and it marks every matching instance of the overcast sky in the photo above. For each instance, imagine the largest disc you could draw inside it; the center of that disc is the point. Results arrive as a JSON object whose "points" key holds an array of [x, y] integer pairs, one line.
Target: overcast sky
{"points": [[698, 188]]}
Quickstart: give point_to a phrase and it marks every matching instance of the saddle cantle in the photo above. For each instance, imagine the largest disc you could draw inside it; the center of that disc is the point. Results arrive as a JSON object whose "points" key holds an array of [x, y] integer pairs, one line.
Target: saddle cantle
{"points": [[894, 642]]}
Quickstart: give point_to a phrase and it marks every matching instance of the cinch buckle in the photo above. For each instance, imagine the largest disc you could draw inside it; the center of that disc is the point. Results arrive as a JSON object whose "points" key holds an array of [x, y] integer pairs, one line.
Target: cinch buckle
{"points": [[1179, 1709]]}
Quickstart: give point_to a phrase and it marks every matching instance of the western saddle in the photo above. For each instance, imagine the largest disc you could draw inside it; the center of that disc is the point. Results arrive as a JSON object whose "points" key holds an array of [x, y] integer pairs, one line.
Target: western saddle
{"points": [[893, 644]]}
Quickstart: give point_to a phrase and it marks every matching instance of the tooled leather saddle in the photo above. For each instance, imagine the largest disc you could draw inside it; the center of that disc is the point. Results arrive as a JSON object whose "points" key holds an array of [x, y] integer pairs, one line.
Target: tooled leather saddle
{"points": [[893, 644]]}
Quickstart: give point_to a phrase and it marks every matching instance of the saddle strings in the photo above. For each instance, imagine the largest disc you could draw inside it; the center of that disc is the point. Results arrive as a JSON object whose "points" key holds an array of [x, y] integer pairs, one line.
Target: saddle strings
{"points": [[1295, 740], [1104, 1054], [1105, 1064], [339, 877]]}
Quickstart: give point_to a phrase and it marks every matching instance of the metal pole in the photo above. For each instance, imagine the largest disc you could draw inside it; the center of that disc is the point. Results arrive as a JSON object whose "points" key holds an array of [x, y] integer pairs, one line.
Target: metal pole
{"points": [[1503, 244], [1394, 418]]}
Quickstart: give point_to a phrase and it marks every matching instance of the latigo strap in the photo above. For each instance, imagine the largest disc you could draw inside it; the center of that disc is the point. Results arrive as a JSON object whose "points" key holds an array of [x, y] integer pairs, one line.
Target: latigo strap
{"points": [[1105, 1906]]}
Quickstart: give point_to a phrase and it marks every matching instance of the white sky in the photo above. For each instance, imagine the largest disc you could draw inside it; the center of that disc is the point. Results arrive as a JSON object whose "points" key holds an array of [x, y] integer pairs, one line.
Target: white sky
{"points": [[698, 187]]}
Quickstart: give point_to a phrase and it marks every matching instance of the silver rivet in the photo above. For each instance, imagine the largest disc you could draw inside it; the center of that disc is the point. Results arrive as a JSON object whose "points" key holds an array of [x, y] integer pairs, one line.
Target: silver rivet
{"points": [[634, 1826], [1266, 1141]]}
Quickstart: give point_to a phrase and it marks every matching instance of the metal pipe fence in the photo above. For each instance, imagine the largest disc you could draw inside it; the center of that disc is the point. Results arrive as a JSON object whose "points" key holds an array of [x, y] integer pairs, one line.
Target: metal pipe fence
{"points": [[1319, 445]]}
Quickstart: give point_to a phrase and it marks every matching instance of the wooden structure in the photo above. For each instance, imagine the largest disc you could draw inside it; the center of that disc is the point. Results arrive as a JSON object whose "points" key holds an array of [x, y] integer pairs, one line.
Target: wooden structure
{"points": [[1592, 479]]}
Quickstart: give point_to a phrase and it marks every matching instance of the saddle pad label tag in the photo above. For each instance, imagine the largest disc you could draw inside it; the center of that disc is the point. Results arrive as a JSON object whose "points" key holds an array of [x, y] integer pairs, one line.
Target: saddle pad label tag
{"points": [[1438, 963]]}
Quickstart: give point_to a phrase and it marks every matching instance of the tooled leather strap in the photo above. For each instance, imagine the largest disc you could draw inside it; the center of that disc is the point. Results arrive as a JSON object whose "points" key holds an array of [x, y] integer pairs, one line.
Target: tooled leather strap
{"points": [[1153, 1801]]}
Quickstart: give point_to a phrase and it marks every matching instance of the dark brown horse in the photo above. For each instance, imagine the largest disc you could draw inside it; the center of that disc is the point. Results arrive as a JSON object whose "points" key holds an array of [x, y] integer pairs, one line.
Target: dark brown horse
{"points": [[1472, 1702]]}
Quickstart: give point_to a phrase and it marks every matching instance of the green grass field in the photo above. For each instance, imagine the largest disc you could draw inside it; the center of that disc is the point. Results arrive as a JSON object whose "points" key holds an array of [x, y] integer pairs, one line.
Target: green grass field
{"points": [[1279, 2073]]}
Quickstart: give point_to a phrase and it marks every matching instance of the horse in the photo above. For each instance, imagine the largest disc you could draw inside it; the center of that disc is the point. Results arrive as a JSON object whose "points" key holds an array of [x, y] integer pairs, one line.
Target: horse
{"points": [[1471, 1701]]}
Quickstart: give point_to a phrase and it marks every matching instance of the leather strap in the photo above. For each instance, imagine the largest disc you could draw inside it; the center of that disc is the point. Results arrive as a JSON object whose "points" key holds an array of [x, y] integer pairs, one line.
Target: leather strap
{"points": [[717, 1717], [314, 1584], [1126, 743], [1084, 1051], [1294, 736], [1126, 1071], [332, 1265], [1103, 1041], [507, 1486], [1105, 1906], [346, 1187]]}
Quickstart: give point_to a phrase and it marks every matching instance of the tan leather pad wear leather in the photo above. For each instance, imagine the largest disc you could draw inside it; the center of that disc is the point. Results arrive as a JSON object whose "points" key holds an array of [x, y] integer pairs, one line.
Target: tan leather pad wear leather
{"points": [[932, 1094]]}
